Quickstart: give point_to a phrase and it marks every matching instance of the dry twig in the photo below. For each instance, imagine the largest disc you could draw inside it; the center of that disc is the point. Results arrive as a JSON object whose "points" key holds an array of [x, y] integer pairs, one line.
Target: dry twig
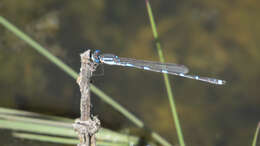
{"points": [[86, 126]]}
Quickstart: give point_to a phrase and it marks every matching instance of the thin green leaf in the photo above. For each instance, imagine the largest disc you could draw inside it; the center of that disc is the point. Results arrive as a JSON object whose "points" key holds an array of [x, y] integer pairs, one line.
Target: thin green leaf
{"points": [[44, 138], [256, 135], [53, 128], [166, 78]]}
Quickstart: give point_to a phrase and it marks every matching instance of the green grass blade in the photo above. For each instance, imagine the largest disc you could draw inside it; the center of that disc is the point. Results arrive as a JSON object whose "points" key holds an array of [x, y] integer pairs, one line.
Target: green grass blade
{"points": [[44, 138], [256, 135], [74, 74], [6, 111], [166, 78], [57, 130]]}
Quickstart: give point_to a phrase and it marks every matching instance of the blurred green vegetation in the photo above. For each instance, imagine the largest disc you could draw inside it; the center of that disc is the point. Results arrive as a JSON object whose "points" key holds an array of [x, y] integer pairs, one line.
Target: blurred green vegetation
{"points": [[213, 38]]}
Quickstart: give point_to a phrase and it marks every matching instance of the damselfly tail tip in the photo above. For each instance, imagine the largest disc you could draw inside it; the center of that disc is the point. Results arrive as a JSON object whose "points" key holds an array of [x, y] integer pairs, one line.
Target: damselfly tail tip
{"points": [[221, 82]]}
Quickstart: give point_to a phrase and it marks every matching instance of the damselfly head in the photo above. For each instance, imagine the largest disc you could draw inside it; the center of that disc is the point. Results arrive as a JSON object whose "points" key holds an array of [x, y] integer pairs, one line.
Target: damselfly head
{"points": [[95, 56]]}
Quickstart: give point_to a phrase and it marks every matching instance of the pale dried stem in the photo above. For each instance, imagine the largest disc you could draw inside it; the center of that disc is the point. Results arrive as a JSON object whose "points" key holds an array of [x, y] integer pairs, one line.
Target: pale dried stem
{"points": [[86, 127]]}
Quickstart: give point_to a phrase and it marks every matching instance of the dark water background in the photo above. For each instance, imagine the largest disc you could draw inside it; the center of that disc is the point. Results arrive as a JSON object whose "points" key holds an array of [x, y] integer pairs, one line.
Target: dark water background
{"points": [[213, 38]]}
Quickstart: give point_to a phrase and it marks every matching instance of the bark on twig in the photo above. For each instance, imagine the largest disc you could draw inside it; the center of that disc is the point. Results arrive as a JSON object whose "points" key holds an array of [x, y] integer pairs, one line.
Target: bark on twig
{"points": [[86, 127]]}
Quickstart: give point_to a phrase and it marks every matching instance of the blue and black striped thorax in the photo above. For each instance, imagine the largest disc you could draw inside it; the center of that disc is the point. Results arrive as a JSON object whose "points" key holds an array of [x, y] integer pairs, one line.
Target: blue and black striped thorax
{"points": [[98, 57]]}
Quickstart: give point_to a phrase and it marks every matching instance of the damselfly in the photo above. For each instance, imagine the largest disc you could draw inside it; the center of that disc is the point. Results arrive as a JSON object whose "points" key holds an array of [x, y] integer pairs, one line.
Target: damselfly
{"points": [[167, 68]]}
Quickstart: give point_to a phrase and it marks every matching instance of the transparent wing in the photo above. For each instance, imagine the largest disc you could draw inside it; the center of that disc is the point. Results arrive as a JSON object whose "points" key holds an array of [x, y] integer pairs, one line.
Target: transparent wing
{"points": [[151, 65]]}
